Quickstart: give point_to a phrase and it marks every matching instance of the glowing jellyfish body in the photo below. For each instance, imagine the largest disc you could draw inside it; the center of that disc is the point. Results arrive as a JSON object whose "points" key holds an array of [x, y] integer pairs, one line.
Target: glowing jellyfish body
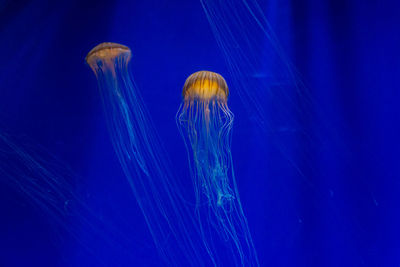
{"points": [[143, 160], [205, 122]]}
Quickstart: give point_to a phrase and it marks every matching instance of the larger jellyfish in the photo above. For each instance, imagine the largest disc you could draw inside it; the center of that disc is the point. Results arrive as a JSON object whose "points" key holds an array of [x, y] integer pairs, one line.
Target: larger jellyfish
{"points": [[205, 122], [142, 158]]}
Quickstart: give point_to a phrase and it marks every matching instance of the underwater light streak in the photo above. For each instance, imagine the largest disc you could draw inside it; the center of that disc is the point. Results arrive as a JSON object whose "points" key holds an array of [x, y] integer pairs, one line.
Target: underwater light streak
{"points": [[268, 83], [249, 45]]}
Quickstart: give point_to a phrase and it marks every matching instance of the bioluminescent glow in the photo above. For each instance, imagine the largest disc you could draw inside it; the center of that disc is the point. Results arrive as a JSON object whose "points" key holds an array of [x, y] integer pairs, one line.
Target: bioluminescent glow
{"points": [[142, 158], [205, 122]]}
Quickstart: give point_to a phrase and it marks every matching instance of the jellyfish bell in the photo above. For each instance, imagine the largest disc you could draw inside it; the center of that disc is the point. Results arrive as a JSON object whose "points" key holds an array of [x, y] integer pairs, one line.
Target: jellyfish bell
{"points": [[205, 85], [209, 89], [105, 55]]}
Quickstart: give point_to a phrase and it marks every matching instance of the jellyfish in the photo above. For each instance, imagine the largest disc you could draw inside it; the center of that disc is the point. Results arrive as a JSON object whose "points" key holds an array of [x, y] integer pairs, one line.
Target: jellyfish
{"points": [[205, 122], [170, 222]]}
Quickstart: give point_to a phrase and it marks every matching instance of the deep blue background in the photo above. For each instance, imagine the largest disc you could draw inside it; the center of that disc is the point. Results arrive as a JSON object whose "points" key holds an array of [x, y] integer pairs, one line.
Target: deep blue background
{"points": [[343, 214]]}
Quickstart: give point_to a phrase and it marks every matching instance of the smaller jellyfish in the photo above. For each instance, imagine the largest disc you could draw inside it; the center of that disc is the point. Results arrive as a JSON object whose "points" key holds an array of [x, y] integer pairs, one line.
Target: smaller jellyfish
{"points": [[143, 160], [205, 122], [109, 62], [107, 52]]}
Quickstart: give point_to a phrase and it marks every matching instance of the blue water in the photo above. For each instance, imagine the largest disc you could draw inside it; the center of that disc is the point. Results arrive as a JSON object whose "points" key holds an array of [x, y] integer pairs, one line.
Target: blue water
{"points": [[326, 197]]}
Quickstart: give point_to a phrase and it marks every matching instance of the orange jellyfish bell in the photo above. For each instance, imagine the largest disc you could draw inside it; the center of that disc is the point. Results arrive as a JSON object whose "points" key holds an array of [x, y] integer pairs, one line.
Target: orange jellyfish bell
{"points": [[107, 53], [205, 86], [204, 93]]}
